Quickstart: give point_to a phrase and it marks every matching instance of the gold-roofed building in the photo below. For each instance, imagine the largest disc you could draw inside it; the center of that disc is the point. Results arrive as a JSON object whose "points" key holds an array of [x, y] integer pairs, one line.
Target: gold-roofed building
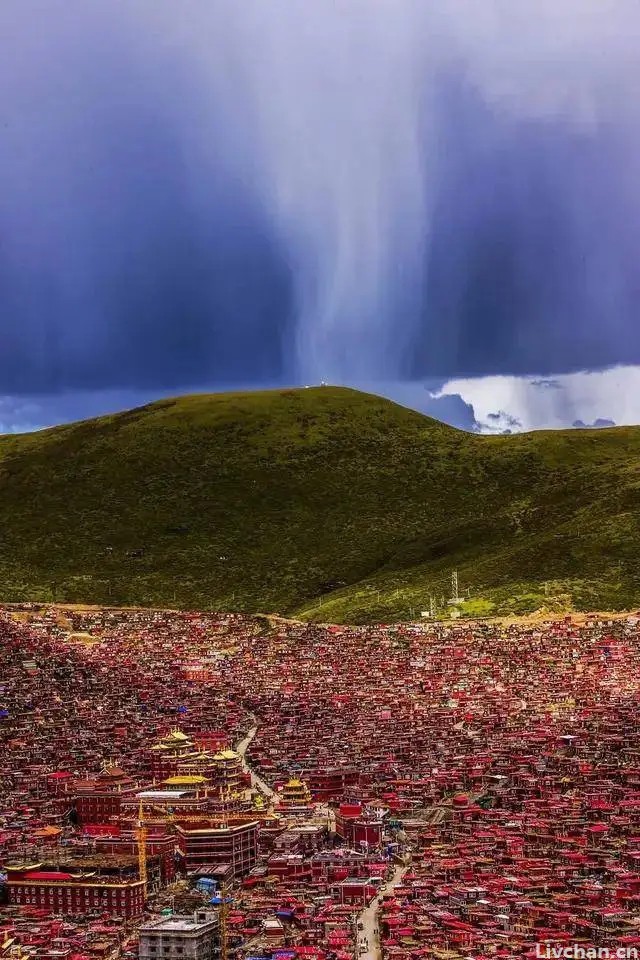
{"points": [[186, 781], [295, 793], [174, 747], [228, 771]]}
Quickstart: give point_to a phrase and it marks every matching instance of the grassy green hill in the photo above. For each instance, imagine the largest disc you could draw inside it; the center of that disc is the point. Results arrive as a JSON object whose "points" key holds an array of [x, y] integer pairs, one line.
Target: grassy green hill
{"points": [[324, 502]]}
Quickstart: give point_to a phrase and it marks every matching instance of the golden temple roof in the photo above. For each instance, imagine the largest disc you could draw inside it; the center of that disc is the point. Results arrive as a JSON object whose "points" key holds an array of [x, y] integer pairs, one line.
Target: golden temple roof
{"points": [[186, 779], [177, 736], [173, 739], [227, 755]]}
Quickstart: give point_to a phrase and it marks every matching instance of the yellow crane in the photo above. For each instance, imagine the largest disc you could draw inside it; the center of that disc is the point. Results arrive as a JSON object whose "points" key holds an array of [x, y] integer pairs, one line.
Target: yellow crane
{"points": [[224, 914], [141, 836], [223, 902]]}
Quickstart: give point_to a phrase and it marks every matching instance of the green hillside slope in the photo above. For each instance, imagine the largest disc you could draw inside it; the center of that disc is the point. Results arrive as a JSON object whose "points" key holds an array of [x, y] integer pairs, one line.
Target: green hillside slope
{"points": [[323, 502]]}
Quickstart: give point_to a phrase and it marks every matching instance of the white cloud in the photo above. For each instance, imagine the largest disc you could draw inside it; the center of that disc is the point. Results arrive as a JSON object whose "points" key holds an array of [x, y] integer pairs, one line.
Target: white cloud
{"points": [[539, 403], [485, 404]]}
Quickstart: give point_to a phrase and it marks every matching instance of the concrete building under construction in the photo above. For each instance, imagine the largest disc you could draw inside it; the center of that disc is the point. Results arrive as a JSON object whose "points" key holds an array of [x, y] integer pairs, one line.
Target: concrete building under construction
{"points": [[195, 937]]}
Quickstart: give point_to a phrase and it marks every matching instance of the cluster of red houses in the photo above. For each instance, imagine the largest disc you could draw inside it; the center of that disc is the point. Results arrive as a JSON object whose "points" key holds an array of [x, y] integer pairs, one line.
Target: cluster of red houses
{"points": [[480, 782]]}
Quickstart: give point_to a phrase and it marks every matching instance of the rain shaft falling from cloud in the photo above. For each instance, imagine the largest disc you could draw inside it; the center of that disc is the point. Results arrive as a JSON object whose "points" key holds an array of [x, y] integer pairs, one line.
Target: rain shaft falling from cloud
{"points": [[391, 135], [346, 190]]}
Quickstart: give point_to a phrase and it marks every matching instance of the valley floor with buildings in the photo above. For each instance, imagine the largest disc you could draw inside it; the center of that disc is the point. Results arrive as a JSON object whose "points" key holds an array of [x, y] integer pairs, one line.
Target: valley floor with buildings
{"points": [[186, 786]]}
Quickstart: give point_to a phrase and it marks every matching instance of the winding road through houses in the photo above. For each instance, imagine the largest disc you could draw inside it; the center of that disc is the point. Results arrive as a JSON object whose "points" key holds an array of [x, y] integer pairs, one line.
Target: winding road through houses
{"points": [[256, 781], [369, 918]]}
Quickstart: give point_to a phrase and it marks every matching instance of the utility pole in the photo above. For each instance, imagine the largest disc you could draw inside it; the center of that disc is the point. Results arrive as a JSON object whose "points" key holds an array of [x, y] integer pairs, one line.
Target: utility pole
{"points": [[432, 607], [354, 927]]}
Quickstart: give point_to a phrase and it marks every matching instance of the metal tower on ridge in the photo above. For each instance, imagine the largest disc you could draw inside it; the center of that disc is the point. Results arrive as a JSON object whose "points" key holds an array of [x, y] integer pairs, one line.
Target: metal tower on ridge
{"points": [[455, 597]]}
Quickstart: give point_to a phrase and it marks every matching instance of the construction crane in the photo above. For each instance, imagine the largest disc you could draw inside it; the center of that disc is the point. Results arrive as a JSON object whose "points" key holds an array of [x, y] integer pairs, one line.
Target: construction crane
{"points": [[222, 816], [141, 836], [223, 902]]}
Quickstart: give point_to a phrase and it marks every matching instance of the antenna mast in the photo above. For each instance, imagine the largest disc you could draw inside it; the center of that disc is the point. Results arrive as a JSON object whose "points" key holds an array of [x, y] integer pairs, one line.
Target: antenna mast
{"points": [[455, 598]]}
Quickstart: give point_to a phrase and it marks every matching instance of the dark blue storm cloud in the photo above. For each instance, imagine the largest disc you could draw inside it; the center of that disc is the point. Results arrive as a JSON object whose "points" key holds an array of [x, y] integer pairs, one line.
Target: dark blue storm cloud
{"points": [[266, 193], [535, 240], [127, 258]]}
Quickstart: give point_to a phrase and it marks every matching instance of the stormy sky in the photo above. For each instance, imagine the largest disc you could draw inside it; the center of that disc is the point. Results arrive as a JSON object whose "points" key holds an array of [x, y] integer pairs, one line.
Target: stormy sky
{"points": [[434, 200]]}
